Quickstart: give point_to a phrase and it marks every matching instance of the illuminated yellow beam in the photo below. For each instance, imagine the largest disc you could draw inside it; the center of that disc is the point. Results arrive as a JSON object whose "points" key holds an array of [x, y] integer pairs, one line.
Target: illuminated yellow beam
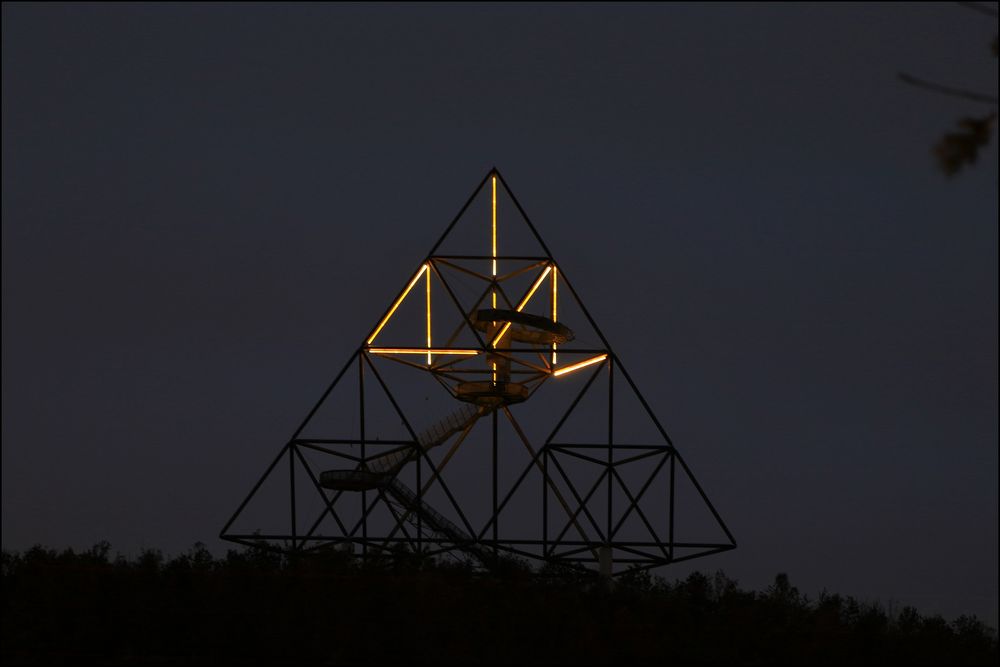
{"points": [[555, 309], [494, 217], [494, 251], [524, 302], [420, 350], [428, 318], [392, 310], [582, 364], [533, 289], [494, 229]]}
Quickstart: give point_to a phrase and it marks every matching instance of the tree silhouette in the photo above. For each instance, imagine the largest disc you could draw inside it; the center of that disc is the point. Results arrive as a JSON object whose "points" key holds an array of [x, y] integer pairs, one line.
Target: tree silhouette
{"points": [[256, 606], [961, 147]]}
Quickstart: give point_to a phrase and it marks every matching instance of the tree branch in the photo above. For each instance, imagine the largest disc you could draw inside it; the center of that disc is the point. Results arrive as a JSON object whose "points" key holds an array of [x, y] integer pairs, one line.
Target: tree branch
{"points": [[982, 9], [947, 90]]}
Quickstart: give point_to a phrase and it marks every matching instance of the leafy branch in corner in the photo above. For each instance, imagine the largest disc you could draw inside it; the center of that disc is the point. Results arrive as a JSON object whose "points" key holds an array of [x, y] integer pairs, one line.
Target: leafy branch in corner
{"points": [[961, 147]]}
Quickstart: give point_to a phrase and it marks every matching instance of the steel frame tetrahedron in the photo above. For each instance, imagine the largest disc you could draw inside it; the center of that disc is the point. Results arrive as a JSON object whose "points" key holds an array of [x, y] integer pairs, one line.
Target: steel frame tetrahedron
{"points": [[605, 500]]}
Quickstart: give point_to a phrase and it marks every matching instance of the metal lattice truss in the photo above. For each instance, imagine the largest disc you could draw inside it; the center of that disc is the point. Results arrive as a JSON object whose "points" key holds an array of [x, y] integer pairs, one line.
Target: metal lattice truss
{"points": [[485, 414]]}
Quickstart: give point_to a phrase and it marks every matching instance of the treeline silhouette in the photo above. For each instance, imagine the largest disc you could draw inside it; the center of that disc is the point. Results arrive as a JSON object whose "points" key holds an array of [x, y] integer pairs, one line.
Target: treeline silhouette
{"points": [[256, 606]]}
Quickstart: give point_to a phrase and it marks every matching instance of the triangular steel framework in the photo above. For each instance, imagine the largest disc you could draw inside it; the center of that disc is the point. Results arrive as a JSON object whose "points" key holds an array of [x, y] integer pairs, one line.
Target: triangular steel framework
{"points": [[571, 478]]}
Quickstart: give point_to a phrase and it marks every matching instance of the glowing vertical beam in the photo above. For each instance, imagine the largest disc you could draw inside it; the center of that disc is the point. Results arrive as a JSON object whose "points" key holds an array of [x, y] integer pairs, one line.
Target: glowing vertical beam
{"points": [[555, 307], [494, 230], [392, 310], [494, 252], [428, 318]]}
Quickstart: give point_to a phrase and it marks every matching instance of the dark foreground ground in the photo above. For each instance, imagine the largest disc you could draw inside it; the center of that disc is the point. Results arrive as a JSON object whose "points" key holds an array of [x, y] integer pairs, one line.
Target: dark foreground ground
{"points": [[254, 607]]}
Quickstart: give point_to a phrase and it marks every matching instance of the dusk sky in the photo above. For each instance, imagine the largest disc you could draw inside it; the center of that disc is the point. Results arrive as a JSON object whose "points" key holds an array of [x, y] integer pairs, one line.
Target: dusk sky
{"points": [[207, 207]]}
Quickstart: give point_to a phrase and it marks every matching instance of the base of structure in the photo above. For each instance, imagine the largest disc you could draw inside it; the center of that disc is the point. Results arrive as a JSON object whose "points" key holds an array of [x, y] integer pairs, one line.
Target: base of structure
{"points": [[605, 561]]}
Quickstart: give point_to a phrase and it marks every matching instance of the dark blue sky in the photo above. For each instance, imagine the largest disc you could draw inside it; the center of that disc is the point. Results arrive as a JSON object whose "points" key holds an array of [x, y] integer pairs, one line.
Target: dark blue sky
{"points": [[205, 208]]}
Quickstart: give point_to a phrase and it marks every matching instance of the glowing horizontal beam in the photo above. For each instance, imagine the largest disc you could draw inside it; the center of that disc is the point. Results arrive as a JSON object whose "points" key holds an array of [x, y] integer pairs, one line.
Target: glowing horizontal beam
{"points": [[582, 364], [392, 310], [524, 302], [420, 350]]}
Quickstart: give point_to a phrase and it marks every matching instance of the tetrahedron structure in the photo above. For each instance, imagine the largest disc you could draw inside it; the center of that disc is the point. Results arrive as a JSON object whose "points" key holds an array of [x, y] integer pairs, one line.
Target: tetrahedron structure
{"points": [[484, 414]]}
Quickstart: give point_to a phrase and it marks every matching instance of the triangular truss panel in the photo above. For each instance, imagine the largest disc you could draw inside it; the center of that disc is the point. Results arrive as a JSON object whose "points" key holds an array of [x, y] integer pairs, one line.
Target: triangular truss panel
{"points": [[484, 415]]}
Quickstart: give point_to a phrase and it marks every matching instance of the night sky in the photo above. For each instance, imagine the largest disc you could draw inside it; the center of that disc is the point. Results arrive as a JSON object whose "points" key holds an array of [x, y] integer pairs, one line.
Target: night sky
{"points": [[207, 207]]}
